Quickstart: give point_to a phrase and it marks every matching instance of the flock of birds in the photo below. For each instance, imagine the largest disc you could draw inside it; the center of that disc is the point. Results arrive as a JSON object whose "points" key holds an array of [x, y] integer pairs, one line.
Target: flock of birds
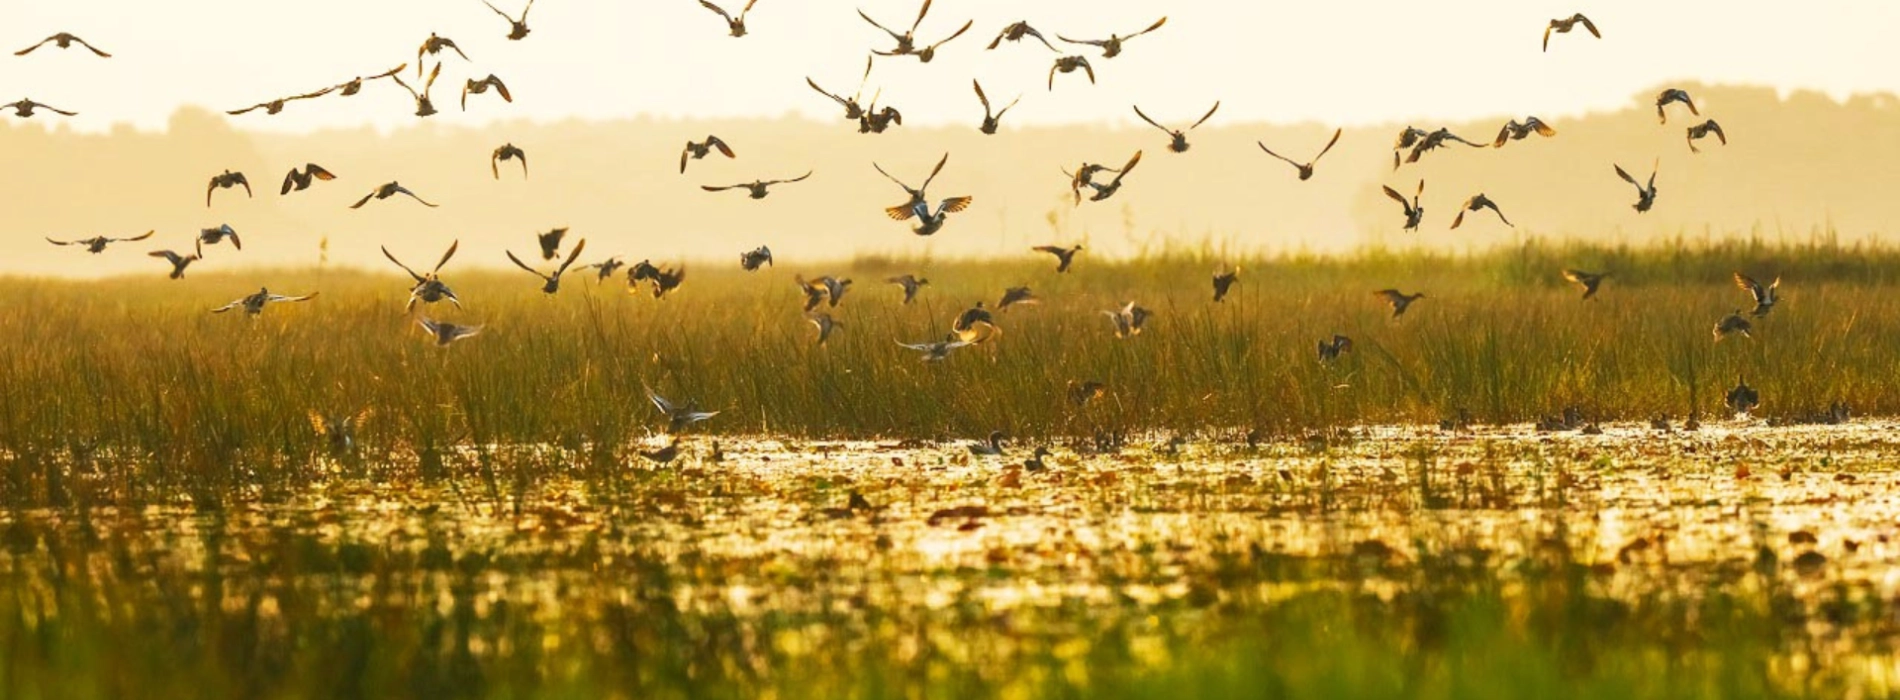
{"points": [[973, 326]]}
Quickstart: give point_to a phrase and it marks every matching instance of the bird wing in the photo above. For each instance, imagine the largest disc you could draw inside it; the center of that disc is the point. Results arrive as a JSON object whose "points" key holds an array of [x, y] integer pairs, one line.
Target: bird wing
{"points": [[796, 179], [524, 14], [1329, 144], [414, 196], [1085, 42], [959, 32], [571, 256], [502, 88], [359, 203], [715, 142], [1587, 24], [524, 266], [29, 49], [49, 240], [867, 18], [1547, 30], [954, 204], [821, 91], [900, 183], [1394, 194], [228, 307], [236, 112], [147, 234], [1270, 152], [1152, 27], [1754, 289], [660, 402], [405, 268], [1052, 250], [1626, 177], [1151, 122], [1459, 220], [933, 171], [925, 10], [720, 188], [1205, 117], [985, 99], [1540, 127], [282, 298], [1129, 167], [1576, 276], [290, 180]]}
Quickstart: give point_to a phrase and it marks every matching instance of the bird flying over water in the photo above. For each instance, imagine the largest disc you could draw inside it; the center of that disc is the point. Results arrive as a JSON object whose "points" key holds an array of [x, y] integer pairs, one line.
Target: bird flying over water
{"points": [[300, 180], [1177, 138], [1306, 169], [678, 417], [63, 40], [1563, 26], [1112, 46]]}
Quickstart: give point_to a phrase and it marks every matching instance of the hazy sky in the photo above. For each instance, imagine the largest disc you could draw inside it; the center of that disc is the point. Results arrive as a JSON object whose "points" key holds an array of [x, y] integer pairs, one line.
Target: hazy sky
{"points": [[1347, 62]]}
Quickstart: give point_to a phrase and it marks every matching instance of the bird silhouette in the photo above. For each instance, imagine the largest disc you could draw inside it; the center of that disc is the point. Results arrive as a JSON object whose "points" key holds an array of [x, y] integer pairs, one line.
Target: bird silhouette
{"points": [[428, 288], [517, 26], [387, 190], [63, 40], [507, 152], [1563, 26], [1414, 213], [696, 150], [1306, 168], [1177, 138], [551, 283], [1112, 46], [1645, 193], [479, 87], [224, 181], [734, 25], [756, 189], [97, 244]]}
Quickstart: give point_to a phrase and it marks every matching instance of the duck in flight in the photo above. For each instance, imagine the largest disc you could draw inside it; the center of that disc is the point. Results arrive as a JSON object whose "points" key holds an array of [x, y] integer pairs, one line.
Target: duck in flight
{"points": [[1414, 212], [875, 121], [1177, 138], [1563, 26], [1017, 295], [1518, 131], [991, 120], [1399, 301], [917, 196], [1433, 140], [1673, 95], [517, 27], [1645, 193], [974, 325], [1015, 32], [24, 109], [940, 350], [1102, 191], [907, 41], [1704, 129], [299, 180], [433, 46], [551, 283], [823, 289], [1478, 202], [1112, 46], [507, 152], [479, 87], [1068, 64], [428, 288], [424, 106], [224, 181], [1128, 319], [63, 40], [735, 26], [1765, 297], [550, 242], [446, 333], [1064, 256], [387, 190], [752, 259], [254, 304], [825, 324], [277, 105], [1329, 350], [852, 110], [179, 262], [355, 86], [214, 236], [1224, 282], [696, 150], [1306, 169], [605, 268], [1733, 324], [755, 189], [678, 417], [1589, 281], [97, 244], [910, 283]]}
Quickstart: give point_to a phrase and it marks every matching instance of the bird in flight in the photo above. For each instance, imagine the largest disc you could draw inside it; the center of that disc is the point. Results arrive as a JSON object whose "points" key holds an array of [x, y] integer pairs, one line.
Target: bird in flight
{"points": [[355, 86], [974, 325], [1563, 26], [277, 105], [696, 150], [1414, 213], [907, 41], [24, 109], [1128, 319], [1177, 138], [299, 180], [752, 259], [1064, 256], [940, 350], [1015, 32], [1105, 191], [551, 283], [678, 417], [179, 262], [550, 242], [214, 236], [507, 152], [446, 333], [757, 188], [917, 196], [825, 324], [478, 87], [1589, 281], [1645, 194], [1733, 324], [1068, 64], [428, 288], [991, 120], [875, 121], [1399, 301], [517, 27], [1671, 95], [387, 190], [734, 25], [224, 181], [1306, 169], [97, 244], [605, 268], [1704, 129], [1478, 202], [433, 46], [910, 283], [1518, 131], [1112, 46], [63, 40], [1765, 297], [1742, 399], [852, 110], [824, 289], [424, 105], [1016, 295], [1329, 350], [1224, 281], [255, 303], [1432, 140]]}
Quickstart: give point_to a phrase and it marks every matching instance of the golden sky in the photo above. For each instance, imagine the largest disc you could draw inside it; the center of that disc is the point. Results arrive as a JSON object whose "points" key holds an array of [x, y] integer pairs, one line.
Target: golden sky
{"points": [[1346, 63]]}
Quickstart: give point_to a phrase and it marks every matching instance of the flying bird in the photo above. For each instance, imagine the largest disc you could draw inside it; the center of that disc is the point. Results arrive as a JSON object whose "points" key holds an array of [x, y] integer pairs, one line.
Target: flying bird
{"points": [[478, 87], [1733, 324], [734, 25], [752, 259], [428, 288], [179, 262], [24, 109], [875, 121], [1563, 26], [214, 236], [1589, 281], [1431, 141], [550, 242], [299, 180], [1399, 301], [605, 268], [446, 333], [991, 120], [63, 40], [907, 41], [1742, 399], [1085, 176], [97, 244], [1765, 297], [1329, 350], [424, 105], [1128, 319], [917, 196], [355, 86], [852, 110], [910, 283], [433, 46], [824, 289], [825, 324], [224, 181], [1704, 129], [1478, 202], [506, 152], [1112, 46], [1306, 169], [974, 325], [1645, 194], [387, 190], [940, 350], [1224, 282], [1518, 131], [1409, 137], [667, 280], [1068, 64], [1064, 256], [678, 417], [277, 105], [757, 188], [696, 150], [1105, 191], [1177, 138], [1414, 213], [517, 27], [551, 283], [1015, 32], [1017, 295], [255, 303], [1670, 95]]}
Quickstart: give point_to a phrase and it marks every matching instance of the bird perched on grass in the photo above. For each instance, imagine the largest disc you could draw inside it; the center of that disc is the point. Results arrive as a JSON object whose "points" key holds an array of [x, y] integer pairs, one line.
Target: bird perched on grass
{"points": [[517, 26], [1765, 297], [1112, 46], [1742, 399], [1733, 324], [910, 283], [1704, 129], [1414, 212], [1518, 131], [1589, 281], [1306, 168], [428, 288], [1068, 64], [213, 236], [1670, 96], [1224, 282], [757, 189], [507, 152], [1478, 202], [254, 304], [1645, 194], [1563, 26], [1330, 349], [752, 259], [63, 40], [481, 87], [696, 150], [224, 181], [1015, 32], [300, 180], [24, 109], [1399, 301], [97, 244], [1128, 319], [179, 261], [679, 417], [387, 190], [735, 26], [1177, 138], [551, 283], [991, 120], [1064, 256]]}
